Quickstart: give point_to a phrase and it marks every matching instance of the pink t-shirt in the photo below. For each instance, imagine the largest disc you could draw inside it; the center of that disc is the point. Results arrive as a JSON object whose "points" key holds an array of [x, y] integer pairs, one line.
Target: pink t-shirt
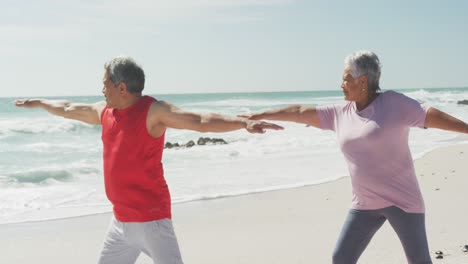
{"points": [[374, 142]]}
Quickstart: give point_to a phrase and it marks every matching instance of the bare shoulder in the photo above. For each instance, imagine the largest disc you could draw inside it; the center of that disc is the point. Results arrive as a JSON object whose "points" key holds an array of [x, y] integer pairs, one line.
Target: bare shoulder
{"points": [[161, 108], [157, 111], [162, 113], [99, 106]]}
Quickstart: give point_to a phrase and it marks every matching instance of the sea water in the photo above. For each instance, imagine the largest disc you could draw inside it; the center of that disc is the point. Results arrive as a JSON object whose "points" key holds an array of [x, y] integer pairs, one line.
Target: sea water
{"points": [[51, 167]]}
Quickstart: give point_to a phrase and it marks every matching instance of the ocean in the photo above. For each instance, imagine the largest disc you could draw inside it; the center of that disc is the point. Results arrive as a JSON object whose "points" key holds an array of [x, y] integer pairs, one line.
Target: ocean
{"points": [[51, 167]]}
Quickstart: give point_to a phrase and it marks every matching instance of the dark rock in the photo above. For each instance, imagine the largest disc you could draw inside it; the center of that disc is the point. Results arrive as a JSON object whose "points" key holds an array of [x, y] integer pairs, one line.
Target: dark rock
{"points": [[203, 141], [218, 141], [171, 145], [465, 248], [200, 141], [190, 144], [465, 102]]}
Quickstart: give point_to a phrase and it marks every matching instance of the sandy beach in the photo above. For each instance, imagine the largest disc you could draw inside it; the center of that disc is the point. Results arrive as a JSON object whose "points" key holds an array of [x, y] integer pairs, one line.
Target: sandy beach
{"points": [[293, 226]]}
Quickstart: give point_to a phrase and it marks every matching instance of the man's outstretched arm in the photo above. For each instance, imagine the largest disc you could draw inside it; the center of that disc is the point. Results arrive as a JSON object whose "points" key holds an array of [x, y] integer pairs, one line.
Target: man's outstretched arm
{"points": [[168, 115], [88, 113]]}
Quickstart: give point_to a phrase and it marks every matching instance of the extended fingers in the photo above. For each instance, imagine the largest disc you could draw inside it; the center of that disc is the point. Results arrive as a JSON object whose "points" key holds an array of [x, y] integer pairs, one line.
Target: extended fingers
{"points": [[20, 102], [266, 125], [250, 116], [26, 103]]}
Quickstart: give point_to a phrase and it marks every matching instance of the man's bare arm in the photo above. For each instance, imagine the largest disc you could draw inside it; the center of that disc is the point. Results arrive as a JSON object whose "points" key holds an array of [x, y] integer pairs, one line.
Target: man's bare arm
{"points": [[168, 115], [88, 113]]}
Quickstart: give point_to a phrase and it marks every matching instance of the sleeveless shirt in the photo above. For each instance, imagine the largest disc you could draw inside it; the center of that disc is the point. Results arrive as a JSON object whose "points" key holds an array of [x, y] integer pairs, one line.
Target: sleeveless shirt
{"points": [[133, 171]]}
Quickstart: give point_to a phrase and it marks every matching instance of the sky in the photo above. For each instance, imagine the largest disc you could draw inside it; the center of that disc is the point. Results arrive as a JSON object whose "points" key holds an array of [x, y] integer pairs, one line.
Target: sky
{"points": [[59, 47]]}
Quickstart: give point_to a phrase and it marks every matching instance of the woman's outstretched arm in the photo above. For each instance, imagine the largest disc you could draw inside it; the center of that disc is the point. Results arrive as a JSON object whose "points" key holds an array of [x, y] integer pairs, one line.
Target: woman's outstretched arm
{"points": [[293, 113], [438, 119]]}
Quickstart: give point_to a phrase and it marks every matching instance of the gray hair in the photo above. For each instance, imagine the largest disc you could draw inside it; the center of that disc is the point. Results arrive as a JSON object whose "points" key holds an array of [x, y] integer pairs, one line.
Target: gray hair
{"points": [[365, 63], [125, 69]]}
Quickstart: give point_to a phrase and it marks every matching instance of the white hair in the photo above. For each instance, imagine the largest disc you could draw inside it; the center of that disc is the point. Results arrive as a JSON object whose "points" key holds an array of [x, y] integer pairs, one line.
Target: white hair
{"points": [[365, 63]]}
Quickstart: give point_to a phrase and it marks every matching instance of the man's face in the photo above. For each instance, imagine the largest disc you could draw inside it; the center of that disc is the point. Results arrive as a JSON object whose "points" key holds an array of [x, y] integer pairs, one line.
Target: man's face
{"points": [[352, 88], [110, 91]]}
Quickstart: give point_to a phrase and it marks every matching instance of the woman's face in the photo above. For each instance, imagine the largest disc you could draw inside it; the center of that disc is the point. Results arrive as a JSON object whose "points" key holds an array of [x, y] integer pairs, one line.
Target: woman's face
{"points": [[353, 89]]}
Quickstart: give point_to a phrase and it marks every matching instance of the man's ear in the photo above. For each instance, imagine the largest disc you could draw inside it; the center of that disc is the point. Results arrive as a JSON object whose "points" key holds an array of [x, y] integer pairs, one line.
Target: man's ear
{"points": [[122, 87]]}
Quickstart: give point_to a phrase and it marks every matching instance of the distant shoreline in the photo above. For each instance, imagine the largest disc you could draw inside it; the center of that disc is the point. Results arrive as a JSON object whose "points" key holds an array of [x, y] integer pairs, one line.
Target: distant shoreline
{"points": [[337, 91]]}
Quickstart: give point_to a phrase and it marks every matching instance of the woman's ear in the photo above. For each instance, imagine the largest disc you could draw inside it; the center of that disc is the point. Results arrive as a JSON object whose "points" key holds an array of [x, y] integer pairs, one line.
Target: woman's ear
{"points": [[363, 79]]}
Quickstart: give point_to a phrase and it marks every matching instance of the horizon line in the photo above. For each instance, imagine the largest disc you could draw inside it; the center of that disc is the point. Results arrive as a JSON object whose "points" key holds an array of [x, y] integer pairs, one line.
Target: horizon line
{"points": [[240, 92]]}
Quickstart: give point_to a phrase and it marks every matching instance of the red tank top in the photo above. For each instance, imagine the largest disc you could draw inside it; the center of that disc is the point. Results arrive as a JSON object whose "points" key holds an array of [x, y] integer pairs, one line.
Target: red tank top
{"points": [[133, 172]]}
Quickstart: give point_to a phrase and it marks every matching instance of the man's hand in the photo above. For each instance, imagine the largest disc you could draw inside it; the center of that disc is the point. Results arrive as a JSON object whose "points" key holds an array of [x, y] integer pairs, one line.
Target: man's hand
{"points": [[254, 116], [28, 103], [260, 126]]}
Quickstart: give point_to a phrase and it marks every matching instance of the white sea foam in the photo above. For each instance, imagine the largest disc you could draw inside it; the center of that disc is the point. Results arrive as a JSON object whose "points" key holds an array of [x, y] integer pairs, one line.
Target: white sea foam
{"points": [[42, 125]]}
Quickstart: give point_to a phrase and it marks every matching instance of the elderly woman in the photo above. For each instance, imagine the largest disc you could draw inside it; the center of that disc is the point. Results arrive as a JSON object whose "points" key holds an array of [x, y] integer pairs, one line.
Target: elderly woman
{"points": [[372, 129]]}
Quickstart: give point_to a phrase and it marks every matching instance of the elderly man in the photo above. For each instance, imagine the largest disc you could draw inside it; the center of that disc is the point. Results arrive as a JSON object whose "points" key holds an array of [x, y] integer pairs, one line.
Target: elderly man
{"points": [[133, 129]]}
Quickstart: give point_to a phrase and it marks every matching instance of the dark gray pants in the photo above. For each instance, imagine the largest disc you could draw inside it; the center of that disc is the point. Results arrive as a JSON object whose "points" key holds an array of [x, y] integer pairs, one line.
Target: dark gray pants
{"points": [[361, 225]]}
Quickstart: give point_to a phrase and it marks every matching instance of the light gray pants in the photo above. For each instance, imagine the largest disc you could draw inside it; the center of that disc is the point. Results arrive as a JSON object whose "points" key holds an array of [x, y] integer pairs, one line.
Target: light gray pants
{"points": [[361, 225], [125, 241]]}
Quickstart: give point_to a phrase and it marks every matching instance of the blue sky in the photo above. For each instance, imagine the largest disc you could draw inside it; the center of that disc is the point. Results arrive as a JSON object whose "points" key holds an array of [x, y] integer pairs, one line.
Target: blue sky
{"points": [[53, 47]]}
